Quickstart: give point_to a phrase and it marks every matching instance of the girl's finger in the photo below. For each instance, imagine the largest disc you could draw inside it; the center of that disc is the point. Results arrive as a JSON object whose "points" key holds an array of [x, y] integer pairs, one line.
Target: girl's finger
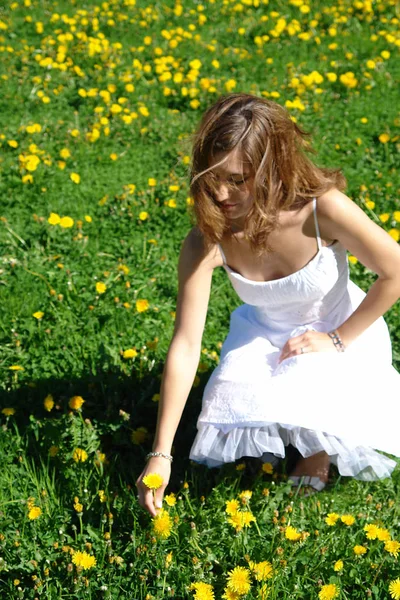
{"points": [[159, 496], [148, 502]]}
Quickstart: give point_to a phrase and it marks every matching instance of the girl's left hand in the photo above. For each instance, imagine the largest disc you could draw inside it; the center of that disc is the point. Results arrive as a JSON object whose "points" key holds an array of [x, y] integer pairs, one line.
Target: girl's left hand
{"points": [[310, 341]]}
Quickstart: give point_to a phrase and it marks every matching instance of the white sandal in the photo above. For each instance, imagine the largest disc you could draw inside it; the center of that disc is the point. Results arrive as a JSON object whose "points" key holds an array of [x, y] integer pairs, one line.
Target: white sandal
{"points": [[307, 480]]}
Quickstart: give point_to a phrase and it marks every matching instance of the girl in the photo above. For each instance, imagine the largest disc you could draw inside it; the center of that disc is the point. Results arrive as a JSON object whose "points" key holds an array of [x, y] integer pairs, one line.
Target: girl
{"points": [[308, 359]]}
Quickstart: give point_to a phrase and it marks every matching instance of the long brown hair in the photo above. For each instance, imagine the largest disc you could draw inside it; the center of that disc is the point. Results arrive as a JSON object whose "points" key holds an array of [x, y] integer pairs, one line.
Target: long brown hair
{"points": [[266, 137]]}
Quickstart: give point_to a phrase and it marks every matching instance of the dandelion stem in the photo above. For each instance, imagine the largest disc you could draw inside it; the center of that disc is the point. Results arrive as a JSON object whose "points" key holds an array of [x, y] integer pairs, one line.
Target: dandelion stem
{"points": [[258, 529], [378, 570]]}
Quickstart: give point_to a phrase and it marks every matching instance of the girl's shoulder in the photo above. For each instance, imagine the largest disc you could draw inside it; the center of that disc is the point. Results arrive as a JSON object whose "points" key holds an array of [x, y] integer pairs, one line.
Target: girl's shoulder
{"points": [[200, 253]]}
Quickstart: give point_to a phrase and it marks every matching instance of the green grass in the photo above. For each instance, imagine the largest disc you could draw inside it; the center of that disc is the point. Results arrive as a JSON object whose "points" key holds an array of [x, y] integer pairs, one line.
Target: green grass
{"points": [[77, 347]]}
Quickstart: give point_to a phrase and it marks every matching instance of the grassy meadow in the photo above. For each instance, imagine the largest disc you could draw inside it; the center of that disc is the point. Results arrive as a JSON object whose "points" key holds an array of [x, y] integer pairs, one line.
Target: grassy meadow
{"points": [[97, 103]]}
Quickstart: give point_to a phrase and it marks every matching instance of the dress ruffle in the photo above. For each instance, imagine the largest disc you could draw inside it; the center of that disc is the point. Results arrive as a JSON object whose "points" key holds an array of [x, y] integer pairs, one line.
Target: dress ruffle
{"points": [[214, 446]]}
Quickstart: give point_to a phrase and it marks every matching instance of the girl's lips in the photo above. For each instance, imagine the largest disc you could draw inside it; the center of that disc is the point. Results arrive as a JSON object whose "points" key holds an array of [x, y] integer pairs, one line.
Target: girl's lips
{"points": [[225, 206]]}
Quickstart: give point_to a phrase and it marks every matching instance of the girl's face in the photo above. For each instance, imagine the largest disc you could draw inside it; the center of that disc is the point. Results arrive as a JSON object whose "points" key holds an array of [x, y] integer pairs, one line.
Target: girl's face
{"points": [[234, 180]]}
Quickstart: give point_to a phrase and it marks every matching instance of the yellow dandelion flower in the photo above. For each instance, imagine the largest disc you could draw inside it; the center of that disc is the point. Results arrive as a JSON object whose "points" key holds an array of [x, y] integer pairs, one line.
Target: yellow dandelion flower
{"points": [[48, 402], [34, 512], [53, 450], [229, 595], [247, 518], [143, 215], [130, 353], [75, 177], [384, 138], [331, 519], [239, 580], [16, 368], [394, 589], [83, 560], [170, 499], [245, 496], [142, 305], [79, 455], [100, 287], [263, 592], [383, 535], [338, 566], [139, 435], [66, 222], [168, 560], [38, 315], [203, 591], [162, 524], [262, 570], [88, 219], [359, 550], [393, 547], [8, 411], [347, 519], [240, 466], [195, 64], [268, 468], [328, 592], [232, 506], [76, 402], [151, 182], [65, 153], [153, 481], [292, 534], [54, 219], [371, 531], [230, 85], [236, 520]]}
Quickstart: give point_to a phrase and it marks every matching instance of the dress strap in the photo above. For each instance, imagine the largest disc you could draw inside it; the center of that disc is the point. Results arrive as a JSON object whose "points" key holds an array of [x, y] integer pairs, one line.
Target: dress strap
{"points": [[222, 254], [316, 224]]}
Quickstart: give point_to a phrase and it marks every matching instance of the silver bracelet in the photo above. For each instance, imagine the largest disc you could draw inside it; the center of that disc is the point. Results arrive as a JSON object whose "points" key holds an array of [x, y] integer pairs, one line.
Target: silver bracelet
{"points": [[168, 456], [336, 340]]}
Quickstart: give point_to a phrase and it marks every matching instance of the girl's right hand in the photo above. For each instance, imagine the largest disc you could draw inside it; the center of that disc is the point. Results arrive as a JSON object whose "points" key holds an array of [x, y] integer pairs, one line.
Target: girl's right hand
{"points": [[162, 466]]}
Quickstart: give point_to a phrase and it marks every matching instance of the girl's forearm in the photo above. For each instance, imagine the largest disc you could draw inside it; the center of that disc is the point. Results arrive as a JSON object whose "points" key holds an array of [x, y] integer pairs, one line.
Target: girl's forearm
{"points": [[178, 375], [381, 296]]}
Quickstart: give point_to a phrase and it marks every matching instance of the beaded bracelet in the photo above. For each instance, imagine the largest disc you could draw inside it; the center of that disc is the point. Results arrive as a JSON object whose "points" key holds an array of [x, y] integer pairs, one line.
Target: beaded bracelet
{"points": [[336, 340], [168, 456]]}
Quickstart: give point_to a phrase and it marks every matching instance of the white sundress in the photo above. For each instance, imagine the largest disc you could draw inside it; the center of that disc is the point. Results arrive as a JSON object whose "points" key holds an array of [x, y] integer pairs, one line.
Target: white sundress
{"points": [[345, 403]]}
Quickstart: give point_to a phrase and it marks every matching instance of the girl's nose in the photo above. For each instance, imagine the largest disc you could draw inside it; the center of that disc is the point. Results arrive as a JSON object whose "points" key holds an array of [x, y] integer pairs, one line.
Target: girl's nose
{"points": [[222, 193]]}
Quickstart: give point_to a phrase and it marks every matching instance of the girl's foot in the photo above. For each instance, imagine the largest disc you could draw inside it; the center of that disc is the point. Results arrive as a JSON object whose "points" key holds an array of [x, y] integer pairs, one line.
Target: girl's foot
{"points": [[316, 465]]}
